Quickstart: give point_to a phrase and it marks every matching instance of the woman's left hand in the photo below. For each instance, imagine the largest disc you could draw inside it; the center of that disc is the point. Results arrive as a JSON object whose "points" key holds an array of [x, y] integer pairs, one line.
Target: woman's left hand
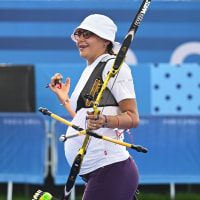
{"points": [[95, 121]]}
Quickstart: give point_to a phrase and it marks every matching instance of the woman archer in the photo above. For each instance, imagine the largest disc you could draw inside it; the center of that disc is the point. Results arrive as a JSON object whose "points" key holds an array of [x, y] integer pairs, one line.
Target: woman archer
{"points": [[109, 170]]}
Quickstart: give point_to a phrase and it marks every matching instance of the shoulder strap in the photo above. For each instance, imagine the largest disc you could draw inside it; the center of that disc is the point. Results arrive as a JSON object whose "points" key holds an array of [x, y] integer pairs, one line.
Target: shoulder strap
{"points": [[107, 58], [97, 74]]}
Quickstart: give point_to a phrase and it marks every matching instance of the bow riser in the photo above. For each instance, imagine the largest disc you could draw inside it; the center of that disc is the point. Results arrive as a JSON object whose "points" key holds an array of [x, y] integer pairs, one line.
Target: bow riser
{"points": [[111, 74]]}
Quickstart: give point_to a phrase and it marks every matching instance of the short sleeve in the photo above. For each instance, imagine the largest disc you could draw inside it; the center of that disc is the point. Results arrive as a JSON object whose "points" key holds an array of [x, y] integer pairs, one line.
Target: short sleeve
{"points": [[121, 86]]}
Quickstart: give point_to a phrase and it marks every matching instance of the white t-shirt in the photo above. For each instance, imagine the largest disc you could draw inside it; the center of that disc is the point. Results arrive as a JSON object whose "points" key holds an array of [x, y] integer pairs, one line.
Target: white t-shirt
{"points": [[99, 152]]}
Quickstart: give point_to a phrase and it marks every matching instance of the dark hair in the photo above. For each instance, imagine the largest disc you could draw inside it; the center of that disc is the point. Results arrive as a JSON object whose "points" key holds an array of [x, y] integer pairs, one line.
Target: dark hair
{"points": [[110, 49]]}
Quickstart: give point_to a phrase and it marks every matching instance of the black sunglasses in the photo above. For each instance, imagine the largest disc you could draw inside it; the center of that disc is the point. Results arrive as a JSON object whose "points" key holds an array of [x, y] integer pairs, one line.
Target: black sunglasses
{"points": [[86, 34]]}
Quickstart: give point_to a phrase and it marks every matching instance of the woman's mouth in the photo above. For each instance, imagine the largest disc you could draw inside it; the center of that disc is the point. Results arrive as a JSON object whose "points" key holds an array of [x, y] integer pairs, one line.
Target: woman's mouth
{"points": [[81, 47]]}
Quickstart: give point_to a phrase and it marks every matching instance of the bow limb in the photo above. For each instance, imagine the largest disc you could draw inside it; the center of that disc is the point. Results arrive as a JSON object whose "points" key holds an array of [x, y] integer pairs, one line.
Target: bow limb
{"points": [[123, 50]]}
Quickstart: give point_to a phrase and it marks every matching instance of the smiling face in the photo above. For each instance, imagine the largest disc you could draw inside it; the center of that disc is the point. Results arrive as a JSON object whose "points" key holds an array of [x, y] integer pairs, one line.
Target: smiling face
{"points": [[92, 47]]}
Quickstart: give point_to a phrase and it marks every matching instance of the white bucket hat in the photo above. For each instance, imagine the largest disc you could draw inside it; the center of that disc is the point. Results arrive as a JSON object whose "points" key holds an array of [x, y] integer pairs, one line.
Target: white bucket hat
{"points": [[100, 25]]}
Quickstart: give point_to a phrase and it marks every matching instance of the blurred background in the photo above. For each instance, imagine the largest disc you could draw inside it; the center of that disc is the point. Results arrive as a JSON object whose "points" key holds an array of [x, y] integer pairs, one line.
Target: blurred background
{"points": [[164, 58]]}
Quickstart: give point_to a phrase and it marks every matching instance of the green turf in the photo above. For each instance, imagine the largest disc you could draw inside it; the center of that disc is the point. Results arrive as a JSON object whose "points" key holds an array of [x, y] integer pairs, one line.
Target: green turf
{"points": [[178, 196], [144, 196]]}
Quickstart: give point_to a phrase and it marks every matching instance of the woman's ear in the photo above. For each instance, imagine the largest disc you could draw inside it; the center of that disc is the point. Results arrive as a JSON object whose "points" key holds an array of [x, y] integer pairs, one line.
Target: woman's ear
{"points": [[107, 42]]}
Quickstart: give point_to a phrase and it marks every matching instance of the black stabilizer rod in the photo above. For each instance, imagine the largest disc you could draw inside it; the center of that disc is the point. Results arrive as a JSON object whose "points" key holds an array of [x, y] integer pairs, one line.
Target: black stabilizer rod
{"points": [[139, 148], [45, 111]]}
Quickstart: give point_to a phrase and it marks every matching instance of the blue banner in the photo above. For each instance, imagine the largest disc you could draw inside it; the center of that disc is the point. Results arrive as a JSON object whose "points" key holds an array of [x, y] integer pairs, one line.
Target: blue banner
{"points": [[39, 32], [23, 148]]}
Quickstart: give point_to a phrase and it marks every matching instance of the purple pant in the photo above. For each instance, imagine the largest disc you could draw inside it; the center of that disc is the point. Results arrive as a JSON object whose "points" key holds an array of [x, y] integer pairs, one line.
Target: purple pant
{"points": [[117, 181]]}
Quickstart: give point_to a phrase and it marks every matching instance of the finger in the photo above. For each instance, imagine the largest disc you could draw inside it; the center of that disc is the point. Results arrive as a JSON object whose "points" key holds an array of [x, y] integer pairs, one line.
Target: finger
{"points": [[92, 125], [90, 115], [52, 88], [67, 82], [57, 76]]}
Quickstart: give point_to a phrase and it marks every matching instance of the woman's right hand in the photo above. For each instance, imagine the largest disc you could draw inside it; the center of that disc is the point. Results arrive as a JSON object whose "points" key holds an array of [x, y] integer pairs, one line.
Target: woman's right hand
{"points": [[61, 92]]}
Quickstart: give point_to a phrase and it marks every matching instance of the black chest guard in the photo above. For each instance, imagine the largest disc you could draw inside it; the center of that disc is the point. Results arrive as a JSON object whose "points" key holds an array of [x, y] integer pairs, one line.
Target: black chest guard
{"points": [[107, 98]]}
